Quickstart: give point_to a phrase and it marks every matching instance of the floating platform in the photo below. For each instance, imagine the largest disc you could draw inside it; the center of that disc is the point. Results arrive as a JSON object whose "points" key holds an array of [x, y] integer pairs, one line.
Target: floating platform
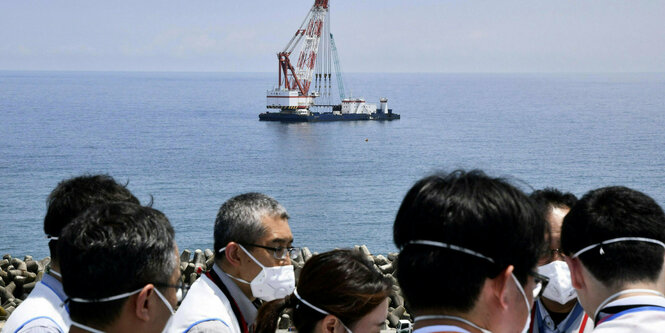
{"points": [[289, 117]]}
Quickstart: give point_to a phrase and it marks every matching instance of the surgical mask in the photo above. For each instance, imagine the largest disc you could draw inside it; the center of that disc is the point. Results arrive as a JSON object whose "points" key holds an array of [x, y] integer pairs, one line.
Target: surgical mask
{"points": [[272, 282], [317, 309], [615, 240], [560, 288], [117, 297], [526, 301]]}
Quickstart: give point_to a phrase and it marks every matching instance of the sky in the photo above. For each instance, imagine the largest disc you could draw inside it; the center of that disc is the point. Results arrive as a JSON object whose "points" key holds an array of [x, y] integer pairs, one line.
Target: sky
{"points": [[371, 35]]}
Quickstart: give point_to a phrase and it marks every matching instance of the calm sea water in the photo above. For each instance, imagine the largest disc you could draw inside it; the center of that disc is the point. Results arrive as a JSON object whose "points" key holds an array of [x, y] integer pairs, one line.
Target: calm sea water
{"points": [[190, 141]]}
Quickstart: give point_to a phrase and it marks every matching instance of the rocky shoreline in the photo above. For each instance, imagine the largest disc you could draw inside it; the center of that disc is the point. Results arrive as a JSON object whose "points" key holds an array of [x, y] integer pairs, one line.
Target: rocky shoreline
{"points": [[19, 276]]}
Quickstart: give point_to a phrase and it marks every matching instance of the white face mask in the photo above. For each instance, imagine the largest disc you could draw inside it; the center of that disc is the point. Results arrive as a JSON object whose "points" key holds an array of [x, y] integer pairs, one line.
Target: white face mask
{"points": [[560, 288], [272, 282]]}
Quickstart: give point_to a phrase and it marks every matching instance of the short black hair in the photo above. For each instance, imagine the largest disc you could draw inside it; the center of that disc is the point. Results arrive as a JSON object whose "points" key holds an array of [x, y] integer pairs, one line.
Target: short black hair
{"points": [[472, 210], [613, 212], [112, 249], [552, 197], [73, 196]]}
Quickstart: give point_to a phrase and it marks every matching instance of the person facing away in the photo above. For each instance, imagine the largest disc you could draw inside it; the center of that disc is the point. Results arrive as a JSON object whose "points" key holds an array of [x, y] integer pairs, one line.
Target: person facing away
{"points": [[469, 247], [558, 310], [614, 244], [252, 263], [338, 291], [42, 311], [122, 270]]}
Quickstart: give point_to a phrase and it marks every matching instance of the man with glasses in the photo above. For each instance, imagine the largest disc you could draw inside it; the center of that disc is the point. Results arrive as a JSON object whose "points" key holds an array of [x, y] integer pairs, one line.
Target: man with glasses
{"points": [[252, 264], [614, 239], [122, 269], [558, 311], [469, 247]]}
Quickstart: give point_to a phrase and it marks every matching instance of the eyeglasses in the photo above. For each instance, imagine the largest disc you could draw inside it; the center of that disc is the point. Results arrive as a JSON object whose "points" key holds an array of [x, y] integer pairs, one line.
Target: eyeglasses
{"points": [[550, 254], [181, 289], [541, 282], [280, 252]]}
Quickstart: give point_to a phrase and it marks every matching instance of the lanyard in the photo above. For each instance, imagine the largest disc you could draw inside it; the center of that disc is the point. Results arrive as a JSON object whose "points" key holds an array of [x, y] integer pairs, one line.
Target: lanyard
{"points": [[234, 306], [570, 320], [636, 308]]}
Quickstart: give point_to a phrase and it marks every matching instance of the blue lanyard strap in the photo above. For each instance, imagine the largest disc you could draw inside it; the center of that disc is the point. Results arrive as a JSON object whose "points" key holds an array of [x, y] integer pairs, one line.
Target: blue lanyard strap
{"points": [[570, 319], [635, 309]]}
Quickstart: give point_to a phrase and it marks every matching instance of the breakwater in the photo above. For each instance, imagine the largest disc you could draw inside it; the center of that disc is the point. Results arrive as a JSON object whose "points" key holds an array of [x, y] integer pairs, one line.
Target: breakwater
{"points": [[19, 276]]}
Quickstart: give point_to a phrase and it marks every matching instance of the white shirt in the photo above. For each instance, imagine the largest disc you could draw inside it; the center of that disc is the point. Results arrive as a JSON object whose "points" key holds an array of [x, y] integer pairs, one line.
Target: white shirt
{"points": [[42, 311], [639, 319], [206, 308], [440, 328]]}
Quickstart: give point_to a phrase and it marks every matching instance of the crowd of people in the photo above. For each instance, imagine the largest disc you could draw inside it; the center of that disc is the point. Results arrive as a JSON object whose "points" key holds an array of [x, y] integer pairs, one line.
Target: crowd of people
{"points": [[477, 254]]}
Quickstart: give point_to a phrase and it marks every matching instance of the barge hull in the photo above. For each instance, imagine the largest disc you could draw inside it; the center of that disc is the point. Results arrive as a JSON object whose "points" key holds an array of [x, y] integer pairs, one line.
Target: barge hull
{"points": [[325, 116]]}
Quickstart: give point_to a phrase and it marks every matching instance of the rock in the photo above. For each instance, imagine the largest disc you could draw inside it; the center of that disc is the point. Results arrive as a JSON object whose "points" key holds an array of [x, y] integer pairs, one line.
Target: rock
{"points": [[10, 289], [384, 326], [184, 256], [306, 254], [27, 258], [32, 266], [386, 269], [364, 250], [29, 286], [199, 257], [3, 313], [183, 266], [30, 277], [5, 295], [208, 253], [19, 280], [19, 264], [380, 260], [396, 300], [284, 322], [7, 256], [193, 277], [392, 320], [392, 256], [399, 311], [45, 262], [191, 268], [4, 263], [209, 263]]}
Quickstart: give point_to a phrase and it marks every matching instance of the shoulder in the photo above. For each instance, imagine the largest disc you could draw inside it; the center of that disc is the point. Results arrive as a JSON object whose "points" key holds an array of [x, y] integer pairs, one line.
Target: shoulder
{"points": [[210, 326]]}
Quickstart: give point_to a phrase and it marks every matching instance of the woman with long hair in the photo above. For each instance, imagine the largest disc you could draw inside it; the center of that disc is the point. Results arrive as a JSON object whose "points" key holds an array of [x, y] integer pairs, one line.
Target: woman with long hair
{"points": [[338, 291]]}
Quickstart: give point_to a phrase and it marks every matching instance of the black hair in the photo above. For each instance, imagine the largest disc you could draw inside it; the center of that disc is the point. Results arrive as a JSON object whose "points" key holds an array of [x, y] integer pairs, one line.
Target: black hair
{"points": [[341, 282], [112, 249], [552, 197], [73, 196], [470, 210], [613, 212]]}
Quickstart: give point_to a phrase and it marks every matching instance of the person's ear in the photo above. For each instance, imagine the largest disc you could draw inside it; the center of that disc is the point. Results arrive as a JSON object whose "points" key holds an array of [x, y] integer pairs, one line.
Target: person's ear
{"points": [[576, 276], [142, 303], [500, 287], [232, 253], [328, 323]]}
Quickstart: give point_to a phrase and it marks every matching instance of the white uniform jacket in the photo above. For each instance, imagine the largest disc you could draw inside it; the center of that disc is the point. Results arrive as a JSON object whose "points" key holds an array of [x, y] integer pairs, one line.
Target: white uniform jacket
{"points": [[43, 308], [647, 315], [577, 321]]}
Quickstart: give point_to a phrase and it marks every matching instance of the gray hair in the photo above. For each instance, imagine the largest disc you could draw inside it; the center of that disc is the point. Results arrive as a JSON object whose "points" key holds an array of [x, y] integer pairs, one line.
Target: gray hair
{"points": [[239, 218]]}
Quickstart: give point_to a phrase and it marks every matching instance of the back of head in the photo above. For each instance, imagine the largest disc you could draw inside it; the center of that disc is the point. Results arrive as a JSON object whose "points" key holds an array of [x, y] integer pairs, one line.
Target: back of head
{"points": [[613, 212], [341, 282], [551, 197], [73, 196], [113, 249], [239, 218], [470, 210]]}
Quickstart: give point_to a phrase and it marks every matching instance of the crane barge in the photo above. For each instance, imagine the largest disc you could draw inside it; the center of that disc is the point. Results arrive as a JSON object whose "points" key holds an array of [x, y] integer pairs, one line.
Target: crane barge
{"points": [[294, 98]]}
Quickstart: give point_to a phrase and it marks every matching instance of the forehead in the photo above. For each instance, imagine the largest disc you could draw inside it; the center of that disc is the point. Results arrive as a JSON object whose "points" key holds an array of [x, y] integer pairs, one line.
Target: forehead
{"points": [[277, 230]]}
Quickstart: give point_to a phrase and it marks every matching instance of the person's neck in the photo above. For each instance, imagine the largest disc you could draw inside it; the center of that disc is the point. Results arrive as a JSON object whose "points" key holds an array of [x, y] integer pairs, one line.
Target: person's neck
{"points": [[554, 307], [55, 265], [629, 290], [231, 270]]}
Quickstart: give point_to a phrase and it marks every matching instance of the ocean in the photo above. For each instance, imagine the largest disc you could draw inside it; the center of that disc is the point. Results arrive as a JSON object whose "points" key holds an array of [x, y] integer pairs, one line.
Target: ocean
{"points": [[187, 142]]}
